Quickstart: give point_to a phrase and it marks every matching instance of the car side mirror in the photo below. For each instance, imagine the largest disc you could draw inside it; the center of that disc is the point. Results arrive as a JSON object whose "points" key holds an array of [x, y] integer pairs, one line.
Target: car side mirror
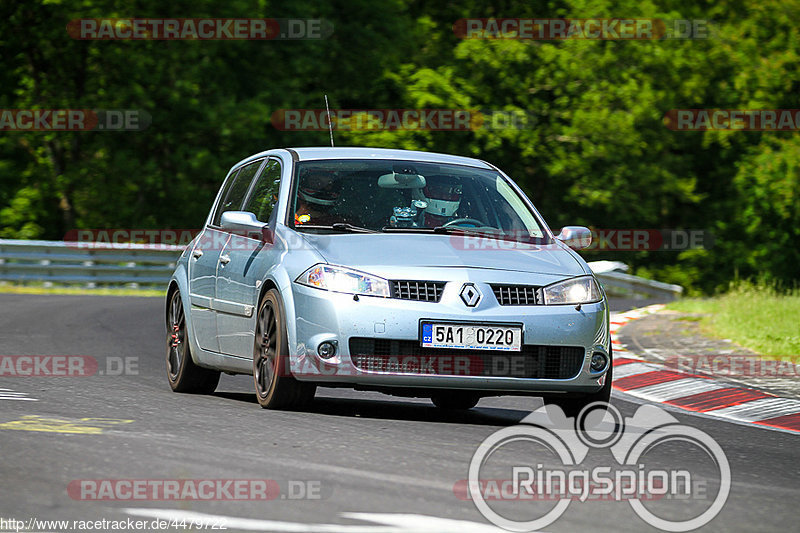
{"points": [[576, 237], [244, 222]]}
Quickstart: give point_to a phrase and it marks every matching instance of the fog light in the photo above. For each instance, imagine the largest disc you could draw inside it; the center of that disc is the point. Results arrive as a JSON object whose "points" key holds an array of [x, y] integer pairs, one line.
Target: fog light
{"points": [[327, 349], [599, 362]]}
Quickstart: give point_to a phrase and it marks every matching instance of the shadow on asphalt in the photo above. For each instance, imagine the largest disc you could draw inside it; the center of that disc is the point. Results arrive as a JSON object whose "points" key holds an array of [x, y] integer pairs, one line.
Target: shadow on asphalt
{"points": [[398, 409]]}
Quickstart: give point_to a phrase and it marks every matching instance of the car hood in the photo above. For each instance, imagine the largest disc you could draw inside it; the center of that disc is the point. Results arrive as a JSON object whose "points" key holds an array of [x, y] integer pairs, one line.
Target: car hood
{"points": [[362, 251]]}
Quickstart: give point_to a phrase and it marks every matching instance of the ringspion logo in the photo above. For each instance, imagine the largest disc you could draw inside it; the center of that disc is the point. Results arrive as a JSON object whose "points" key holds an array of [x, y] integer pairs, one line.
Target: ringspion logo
{"points": [[632, 442]]}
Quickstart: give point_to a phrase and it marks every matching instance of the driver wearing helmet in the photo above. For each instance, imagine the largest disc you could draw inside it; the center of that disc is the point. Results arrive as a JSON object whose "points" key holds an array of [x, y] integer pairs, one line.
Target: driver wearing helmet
{"points": [[443, 196], [317, 194]]}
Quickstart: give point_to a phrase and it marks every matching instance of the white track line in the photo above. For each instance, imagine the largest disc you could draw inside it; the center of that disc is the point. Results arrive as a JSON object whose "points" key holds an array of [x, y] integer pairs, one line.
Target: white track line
{"points": [[389, 523], [633, 369], [679, 388], [8, 394], [761, 409]]}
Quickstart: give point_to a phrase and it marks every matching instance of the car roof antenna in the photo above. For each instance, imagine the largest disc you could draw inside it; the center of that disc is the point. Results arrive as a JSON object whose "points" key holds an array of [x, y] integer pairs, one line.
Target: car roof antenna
{"points": [[330, 124]]}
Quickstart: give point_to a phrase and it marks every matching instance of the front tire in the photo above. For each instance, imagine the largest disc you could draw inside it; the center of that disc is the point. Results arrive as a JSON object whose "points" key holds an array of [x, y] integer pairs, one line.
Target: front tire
{"points": [[573, 406], [182, 372], [276, 388]]}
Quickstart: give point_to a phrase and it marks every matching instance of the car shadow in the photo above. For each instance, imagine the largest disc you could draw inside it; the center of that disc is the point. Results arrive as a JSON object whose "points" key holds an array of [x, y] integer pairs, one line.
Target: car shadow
{"points": [[398, 409]]}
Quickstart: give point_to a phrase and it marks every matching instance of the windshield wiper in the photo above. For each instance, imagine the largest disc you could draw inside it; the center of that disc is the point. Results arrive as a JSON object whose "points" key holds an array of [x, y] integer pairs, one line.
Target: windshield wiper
{"points": [[343, 226], [437, 229], [453, 229], [338, 226], [402, 229]]}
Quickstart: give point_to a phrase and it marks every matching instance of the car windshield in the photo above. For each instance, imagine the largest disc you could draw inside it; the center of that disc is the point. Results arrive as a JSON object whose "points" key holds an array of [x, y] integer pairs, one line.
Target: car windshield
{"points": [[409, 196]]}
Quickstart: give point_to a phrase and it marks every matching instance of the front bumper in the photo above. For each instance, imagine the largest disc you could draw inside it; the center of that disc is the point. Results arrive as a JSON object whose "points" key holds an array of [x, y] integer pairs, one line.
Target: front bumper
{"points": [[334, 317]]}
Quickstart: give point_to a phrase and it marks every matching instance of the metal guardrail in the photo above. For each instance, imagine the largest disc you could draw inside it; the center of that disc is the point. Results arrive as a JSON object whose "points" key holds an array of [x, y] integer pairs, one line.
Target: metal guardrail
{"points": [[618, 283], [87, 263], [94, 264]]}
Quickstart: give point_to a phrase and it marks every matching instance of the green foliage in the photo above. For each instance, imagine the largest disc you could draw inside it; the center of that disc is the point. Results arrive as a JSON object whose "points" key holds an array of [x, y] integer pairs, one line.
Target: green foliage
{"points": [[769, 326], [598, 152]]}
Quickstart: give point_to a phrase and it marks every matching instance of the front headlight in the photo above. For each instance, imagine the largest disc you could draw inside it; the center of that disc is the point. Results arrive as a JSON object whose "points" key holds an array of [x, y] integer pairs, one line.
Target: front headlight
{"points": [[341, 279], [582, 290]]}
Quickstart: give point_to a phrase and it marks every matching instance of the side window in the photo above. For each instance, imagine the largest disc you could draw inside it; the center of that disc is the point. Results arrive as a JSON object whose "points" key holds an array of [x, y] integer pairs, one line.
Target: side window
{"points": [[265, 193], [226, 188], [234, 196]]}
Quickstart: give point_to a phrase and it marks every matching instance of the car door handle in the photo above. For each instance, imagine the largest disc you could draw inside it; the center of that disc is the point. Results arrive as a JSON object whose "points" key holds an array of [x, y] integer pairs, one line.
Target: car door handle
{"points": [[224, 259], [197, 254]]}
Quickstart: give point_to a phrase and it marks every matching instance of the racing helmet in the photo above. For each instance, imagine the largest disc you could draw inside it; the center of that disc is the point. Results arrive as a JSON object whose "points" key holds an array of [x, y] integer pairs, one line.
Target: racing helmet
{"points": [[320, 187], [443, 196]]}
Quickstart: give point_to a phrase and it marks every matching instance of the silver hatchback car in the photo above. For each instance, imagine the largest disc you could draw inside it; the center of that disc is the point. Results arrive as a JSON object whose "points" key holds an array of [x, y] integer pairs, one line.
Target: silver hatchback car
{"points": [[411, 273]]}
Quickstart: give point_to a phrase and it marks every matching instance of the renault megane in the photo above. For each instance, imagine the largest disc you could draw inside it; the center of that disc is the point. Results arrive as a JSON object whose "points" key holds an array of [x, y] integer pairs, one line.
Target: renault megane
{"points": [[412, 273]]}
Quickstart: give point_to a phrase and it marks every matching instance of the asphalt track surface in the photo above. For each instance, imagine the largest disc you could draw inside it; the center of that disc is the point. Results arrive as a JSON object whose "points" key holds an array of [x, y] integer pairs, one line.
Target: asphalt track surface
{"points": [[395, 459]]}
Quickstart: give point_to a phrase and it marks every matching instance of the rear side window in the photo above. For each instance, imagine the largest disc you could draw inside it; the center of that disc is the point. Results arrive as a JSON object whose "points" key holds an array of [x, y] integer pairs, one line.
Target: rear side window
{"points": [[265, 192], [233, 197]]}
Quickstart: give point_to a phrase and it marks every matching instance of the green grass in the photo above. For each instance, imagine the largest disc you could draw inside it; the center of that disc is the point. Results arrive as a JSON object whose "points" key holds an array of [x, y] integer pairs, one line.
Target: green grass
{"points": [[40, 289], [756, 316]]}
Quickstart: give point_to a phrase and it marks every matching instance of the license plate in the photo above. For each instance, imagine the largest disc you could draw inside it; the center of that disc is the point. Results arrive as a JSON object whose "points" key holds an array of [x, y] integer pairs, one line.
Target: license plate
{"points": [[471, 336]]}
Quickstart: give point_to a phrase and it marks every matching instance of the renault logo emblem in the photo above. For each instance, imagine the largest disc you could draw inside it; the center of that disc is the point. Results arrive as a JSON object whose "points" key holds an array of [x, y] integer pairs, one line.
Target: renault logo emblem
{"points": [[470, 295]]}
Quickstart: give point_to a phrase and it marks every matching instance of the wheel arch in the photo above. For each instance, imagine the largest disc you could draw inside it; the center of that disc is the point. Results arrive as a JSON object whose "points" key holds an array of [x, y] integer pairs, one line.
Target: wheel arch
{"points": [[281, 282], [179, 283], [173, 286], [268, 284]]}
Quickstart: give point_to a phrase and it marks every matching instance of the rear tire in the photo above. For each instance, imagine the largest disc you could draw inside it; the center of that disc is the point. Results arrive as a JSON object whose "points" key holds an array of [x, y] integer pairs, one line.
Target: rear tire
{"points": [[276, 388], [182, 372], [455, 400]]}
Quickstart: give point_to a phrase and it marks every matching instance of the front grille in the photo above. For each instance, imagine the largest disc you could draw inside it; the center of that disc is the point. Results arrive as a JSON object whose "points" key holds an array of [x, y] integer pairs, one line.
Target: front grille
{"points": [[533, 362], [422, 291], [517, 294]]}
